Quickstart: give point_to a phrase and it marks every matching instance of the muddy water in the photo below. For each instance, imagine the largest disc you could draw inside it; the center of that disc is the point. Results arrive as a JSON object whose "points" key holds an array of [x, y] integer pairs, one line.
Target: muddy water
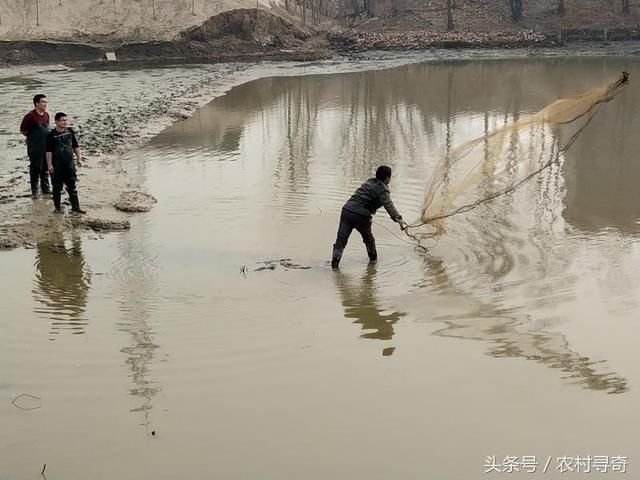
{"points": [[213, 340]]}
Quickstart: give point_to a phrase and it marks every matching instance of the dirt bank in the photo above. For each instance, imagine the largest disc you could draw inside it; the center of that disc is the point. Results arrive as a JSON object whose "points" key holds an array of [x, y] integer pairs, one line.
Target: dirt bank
{"points": [[252, 34], [238, 35], [112, 22]]}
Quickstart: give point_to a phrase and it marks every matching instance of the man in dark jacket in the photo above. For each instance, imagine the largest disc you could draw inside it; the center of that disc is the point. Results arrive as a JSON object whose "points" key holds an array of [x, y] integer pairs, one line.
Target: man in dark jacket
{"points": [[357, 213], [61, 146], [35, 126]]}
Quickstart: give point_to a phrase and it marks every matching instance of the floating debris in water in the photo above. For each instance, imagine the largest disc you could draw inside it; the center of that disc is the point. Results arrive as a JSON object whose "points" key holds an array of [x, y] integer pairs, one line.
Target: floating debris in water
{"points": [[285, 263], [23, 402]]}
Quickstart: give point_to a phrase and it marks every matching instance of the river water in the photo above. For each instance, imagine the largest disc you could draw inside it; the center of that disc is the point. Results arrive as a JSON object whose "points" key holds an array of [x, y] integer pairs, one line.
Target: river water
{"points": [[213, 340]]}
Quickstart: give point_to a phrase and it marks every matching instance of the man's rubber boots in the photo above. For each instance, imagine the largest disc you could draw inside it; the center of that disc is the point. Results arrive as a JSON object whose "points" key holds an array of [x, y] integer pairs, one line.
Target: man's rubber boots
{"points": [[335, 258], [372, 252], [75, 203], [57, 197]]}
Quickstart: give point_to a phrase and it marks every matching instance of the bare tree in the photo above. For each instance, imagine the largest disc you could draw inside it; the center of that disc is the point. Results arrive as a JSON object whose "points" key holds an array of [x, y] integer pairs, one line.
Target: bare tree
{"points": [[516, 10], [625, 7], [355, 7], [450, 25]]}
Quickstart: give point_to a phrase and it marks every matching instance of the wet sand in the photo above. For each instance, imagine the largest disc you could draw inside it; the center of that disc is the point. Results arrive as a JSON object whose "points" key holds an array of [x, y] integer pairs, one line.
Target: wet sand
{"points": [[155, 353]]}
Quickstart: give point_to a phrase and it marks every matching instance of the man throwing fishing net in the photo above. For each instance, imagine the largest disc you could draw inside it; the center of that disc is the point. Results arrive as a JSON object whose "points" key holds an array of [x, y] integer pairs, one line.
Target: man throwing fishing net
{"points": [[357, 213]]}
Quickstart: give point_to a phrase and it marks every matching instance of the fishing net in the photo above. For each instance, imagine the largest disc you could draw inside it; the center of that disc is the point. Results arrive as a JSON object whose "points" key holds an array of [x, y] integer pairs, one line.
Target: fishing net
{"points": [[495, 164]]}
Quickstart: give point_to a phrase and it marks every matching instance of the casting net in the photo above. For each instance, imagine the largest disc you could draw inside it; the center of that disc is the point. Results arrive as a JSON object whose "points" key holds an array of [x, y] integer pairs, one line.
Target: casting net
{"points": [[495, 164]]}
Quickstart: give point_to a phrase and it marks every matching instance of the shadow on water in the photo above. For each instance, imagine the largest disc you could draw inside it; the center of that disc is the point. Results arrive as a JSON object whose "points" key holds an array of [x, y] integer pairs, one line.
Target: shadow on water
{"points": [[362, 306], [62, 283]]}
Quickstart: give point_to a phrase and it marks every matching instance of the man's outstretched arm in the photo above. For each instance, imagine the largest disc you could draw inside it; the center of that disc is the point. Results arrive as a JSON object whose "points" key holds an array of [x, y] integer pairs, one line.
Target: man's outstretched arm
{"points": [[391, 209]]}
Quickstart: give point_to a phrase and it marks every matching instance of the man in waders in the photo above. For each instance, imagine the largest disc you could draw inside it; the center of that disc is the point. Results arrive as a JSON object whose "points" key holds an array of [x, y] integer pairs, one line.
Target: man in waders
{"points": [[35, 126], [61, 146], [357, 213]]}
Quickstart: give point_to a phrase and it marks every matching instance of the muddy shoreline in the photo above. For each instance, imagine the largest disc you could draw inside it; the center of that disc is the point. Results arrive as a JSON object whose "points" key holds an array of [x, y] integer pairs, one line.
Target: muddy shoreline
{"points": [[110, 130], [106, 132], [153, 53], [322, 47]]}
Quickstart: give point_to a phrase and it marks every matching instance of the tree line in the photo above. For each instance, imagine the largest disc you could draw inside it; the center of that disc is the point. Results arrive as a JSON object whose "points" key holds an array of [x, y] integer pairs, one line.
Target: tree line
{"points": [[517, 11], [351, 9]]}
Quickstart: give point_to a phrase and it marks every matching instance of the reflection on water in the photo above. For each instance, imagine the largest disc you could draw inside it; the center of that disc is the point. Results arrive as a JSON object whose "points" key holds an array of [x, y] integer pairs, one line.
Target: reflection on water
{"points": [[135, 272], [362, 305], [602, 172], [409, 116], [512, 338], [302, 144], [512, 334], [525, 303], [62, 283]]}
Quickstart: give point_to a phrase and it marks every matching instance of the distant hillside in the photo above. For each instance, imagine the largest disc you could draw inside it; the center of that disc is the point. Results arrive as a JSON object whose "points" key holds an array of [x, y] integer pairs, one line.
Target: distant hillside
{"points": [[110, 20], [41, 31]]}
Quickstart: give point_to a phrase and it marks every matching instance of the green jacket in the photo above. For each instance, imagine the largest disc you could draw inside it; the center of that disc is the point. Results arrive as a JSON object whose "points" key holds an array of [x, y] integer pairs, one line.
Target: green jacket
{"points": [[372, 195]]}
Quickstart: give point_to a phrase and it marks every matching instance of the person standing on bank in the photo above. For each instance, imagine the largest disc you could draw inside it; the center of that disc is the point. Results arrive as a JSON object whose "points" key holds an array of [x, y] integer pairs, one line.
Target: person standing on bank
{"points": [[61, 146], [35, 126], [357, 213]]}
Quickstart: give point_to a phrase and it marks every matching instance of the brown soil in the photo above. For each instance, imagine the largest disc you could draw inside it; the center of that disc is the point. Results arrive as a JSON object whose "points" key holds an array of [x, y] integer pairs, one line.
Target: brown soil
{"points": [[40, 52], [252, 34], [251, 25], [236, 35]]}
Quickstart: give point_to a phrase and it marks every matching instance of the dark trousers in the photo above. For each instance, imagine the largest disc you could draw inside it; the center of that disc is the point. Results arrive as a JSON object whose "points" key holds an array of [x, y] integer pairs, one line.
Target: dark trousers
{"points": [[38, 172], [65, 174], [349, 221]]}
